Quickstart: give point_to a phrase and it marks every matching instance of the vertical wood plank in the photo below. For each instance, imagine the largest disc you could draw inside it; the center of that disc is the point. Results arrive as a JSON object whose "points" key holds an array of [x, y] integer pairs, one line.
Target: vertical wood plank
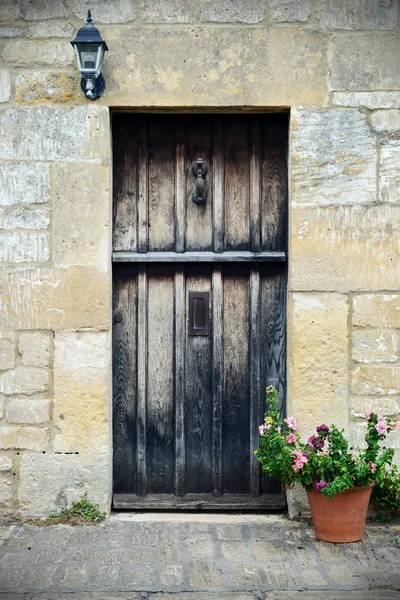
{"points": [[180, 193], [218, 369], [255, 217], [236, 183], [180, 347], [162, 171], [255, 396], [125, 165], [124, 381], [141, 423], [160, 383], [218, 181], [236, 413], [274, 183], [143, 203]]}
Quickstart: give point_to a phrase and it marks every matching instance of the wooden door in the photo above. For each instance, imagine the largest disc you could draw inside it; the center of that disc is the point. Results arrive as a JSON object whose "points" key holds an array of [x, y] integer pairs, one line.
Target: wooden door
{"points": [[199, 306]]}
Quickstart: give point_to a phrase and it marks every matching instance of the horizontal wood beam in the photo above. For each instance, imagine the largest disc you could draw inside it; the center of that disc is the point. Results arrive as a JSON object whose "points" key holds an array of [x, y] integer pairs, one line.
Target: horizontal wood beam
{"points": [[198, 257], [199, 502]]}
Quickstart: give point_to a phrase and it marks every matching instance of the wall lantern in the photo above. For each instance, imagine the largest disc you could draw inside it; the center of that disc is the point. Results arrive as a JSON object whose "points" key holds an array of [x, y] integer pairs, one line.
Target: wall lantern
{"points": [[89, 49]]}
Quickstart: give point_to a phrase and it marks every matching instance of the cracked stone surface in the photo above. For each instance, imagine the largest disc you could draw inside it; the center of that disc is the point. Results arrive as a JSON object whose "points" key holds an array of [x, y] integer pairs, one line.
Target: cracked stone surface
{"points": [[195, 557]]}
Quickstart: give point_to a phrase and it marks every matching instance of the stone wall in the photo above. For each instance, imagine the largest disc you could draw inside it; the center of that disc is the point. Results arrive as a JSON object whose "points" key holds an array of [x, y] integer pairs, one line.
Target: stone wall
{"points": [[335, 64]]}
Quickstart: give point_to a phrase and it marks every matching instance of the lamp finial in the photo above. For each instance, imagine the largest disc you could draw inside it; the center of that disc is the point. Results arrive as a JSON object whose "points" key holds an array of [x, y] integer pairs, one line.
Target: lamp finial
{"points": [[89, 16]]}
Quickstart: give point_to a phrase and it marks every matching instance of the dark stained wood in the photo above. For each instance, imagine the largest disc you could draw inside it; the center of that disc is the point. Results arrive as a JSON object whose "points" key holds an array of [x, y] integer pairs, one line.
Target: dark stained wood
{"points": [[196, 257], [236, 184], [274, 183], [198, 397], [199, 502], [124, 374], [187, 407], [161, 173], [125, 164], [236, 416], [179, 375]]}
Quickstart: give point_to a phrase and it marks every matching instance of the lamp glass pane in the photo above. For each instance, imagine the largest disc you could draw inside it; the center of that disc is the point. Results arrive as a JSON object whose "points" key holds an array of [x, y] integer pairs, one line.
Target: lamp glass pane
{"points": [[88, 54]]}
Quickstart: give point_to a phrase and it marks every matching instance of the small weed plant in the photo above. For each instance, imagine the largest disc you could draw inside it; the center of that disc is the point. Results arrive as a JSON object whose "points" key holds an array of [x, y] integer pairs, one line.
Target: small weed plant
{"points": [[325, 461], [83, 510]]}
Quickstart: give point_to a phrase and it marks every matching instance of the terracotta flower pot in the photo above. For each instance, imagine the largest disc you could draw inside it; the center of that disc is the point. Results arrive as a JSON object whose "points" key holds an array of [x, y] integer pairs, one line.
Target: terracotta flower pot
{"points": [[340, 518]]}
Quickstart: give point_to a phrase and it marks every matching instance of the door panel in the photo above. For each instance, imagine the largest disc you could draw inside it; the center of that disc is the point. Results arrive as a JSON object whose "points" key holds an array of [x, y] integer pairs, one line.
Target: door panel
{"points": [[188, 402]]}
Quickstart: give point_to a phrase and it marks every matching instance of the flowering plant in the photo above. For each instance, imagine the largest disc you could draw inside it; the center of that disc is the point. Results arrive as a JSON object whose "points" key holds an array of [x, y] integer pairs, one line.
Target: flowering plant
{"points": [[325, 460]]}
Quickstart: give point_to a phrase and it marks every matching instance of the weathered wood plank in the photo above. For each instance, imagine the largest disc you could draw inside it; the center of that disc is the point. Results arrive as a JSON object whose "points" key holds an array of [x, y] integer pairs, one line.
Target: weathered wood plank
{"points": [[255, 183], [193, 257], [236, 414], [160, 384], [179, 374], [198, 397], [162, 187], [236, 183], [180, 195], [218, 192], [199, 502], [217, 374], [274, 183], [255, 396], [143, 186], [124, 382], [125, 192], [199, 216], [141, 343]]}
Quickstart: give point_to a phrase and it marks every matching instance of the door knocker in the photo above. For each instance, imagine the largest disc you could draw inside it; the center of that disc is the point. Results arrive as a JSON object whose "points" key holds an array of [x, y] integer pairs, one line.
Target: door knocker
{"points": [[199, 169]]}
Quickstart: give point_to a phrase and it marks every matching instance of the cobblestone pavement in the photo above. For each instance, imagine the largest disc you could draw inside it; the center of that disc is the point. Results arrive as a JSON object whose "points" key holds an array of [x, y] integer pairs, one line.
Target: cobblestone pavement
{"points": [[225, 557]]}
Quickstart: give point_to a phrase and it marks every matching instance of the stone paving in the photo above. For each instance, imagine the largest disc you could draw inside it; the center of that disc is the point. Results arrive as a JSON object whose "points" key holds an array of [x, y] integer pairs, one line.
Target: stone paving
{"points": [[240, 557]]}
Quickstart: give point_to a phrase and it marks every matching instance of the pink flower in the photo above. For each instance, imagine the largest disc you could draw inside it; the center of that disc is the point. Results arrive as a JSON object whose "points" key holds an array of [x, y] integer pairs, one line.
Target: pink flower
{"points": [[368, 413], [264, 428], [300, 459], [381, 426], [291, 438], [372, 466], [291, 423]]}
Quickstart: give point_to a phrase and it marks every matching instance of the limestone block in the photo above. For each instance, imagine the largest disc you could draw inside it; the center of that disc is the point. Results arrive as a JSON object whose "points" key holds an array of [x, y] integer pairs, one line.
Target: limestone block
{"points": [[353, 14], [5, 85], [104, 11], [50, 29], [26, 183], [9, 32], [1, 406], [389, 172], [386, 406], [9, 10], [29, 53], [55, 298], [318, 349], [7, 350], [226, 11], [18, 217], [376, 380], [345, 248], [5, 492], [375, 345], [33, 412], [45, 9], [44, 133], [386, 121], [21, 247], [81, 208], [34, 349], [24, 381], [5, 463], [333, 158], [369, 100], [41, 87], [376, 310], [367, 61], [174, 11], [82, 392], [27, 438], [289, 11], [250, 66], [49, 483]]}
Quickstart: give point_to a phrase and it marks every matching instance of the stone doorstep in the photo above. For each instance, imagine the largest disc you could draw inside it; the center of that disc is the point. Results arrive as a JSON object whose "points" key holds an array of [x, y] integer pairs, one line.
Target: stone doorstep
{"points": [[291, 595]]}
